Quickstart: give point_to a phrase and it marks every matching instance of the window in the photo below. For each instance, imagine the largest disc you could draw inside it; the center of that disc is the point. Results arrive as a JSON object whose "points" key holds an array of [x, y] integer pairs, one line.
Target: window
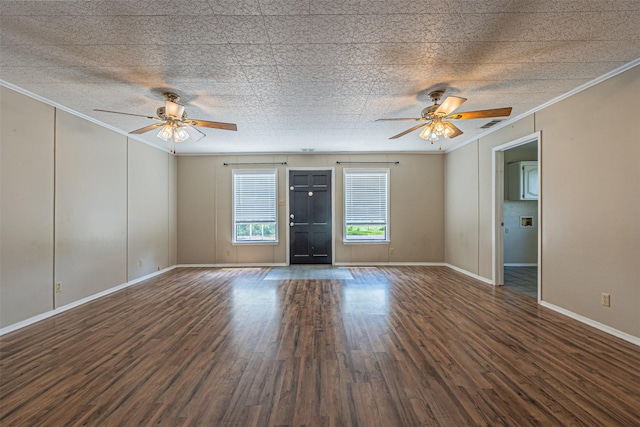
{"points": [[255, 206], [366, 213]]}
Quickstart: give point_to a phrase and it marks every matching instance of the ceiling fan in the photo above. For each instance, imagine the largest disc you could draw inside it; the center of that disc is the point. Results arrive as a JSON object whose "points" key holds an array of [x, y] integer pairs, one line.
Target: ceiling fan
{"points": [[436, 117], [174, 123]]}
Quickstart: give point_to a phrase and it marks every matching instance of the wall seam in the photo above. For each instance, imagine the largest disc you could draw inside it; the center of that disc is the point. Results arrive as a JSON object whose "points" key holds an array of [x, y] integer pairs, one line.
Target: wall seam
{"points": [[478, 206], [55, 134], [215, 213], [168, 210], [126, 268]]}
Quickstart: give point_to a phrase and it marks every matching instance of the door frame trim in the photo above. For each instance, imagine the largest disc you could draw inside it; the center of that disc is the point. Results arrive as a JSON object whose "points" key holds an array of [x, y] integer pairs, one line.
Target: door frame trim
{"points": [[333, 209], [497, 194]]}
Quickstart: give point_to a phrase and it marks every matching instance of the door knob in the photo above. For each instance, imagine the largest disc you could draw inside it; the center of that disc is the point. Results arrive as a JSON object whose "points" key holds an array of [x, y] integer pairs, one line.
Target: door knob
{"points": [[291, 216], [291, 224]]}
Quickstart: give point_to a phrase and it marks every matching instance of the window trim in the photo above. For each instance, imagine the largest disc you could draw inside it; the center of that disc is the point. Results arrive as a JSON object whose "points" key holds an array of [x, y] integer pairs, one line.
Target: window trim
{"points": [[387, 238], [234, 240]]}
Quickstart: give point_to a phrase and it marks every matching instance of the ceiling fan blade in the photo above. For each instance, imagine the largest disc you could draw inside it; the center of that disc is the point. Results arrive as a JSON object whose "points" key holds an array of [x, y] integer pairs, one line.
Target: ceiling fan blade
{"points": [[194, 133], [404, 118], [214, 125], [146, 128], [453, 130], [408, 131], [481, 114], [450, 104], [128, 114]]}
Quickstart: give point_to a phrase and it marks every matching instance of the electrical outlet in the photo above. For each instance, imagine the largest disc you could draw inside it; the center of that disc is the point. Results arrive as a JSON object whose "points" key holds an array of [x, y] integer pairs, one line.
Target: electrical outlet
{"points": [[58, 287], [606, 300], [228, 253], [392, 251], [140, 262]]}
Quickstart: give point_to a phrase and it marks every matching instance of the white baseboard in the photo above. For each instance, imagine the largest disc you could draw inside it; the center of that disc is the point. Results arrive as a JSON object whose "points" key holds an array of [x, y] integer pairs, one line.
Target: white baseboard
{"points": [[520, 264], [337, 264], [74, 304], [390, 264], [247, 265], [601, 326], [470, 274]]}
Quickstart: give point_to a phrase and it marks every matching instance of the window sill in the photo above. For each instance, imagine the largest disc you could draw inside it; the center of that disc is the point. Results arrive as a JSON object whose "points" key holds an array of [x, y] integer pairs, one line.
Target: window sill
{"points": [[272, 243], [366, 242]]}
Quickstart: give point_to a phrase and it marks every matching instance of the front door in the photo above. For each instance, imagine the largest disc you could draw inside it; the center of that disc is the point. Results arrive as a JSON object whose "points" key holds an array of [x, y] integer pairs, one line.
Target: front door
{"points": [[310, 217]]}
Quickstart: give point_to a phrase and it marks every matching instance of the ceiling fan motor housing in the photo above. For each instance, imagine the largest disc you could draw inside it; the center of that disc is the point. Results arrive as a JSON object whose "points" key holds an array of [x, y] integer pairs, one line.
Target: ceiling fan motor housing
{"points": [[428, 112], [161, 112], [170, 96]]}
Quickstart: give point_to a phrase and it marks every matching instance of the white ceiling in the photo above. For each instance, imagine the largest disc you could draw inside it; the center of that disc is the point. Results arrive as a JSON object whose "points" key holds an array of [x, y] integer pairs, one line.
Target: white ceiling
{"points": [[297, 74]]}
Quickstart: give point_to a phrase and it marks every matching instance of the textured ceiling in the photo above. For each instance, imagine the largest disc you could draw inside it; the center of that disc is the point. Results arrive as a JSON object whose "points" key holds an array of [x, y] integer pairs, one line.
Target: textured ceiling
{"points": [[297, 74]]}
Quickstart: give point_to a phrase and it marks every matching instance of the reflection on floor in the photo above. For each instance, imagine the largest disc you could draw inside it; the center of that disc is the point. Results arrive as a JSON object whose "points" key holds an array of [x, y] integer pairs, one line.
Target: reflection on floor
{"points": [[317, 272], [522, 279]]}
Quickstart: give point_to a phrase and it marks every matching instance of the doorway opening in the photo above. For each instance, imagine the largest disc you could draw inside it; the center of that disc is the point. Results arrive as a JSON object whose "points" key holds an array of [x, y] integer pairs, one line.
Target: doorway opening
{"points": [[310, 216], [516, 216]]}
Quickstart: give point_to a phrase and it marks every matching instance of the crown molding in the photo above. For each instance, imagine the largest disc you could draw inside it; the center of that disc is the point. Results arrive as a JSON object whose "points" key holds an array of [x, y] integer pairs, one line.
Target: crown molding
{"points": [[77, 114], [572, 92]]}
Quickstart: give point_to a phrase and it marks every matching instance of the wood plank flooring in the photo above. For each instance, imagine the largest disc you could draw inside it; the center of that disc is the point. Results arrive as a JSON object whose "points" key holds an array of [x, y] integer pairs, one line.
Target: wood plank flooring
{"points": [[401, 346]]}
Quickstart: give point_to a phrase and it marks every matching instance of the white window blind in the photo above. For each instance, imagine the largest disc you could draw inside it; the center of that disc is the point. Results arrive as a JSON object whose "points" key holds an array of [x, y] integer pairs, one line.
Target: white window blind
{"points": [[366, 204], [255, 205]]}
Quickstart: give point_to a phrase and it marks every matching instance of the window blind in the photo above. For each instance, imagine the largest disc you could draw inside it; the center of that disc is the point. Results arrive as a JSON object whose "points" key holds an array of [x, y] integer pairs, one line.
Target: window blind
{"points": [[366, 197], [254, 194]]}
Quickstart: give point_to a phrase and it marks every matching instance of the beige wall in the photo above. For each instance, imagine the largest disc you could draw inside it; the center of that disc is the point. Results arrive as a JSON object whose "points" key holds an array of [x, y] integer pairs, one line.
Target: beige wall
{"points": [[173, 209], [591, 202], [102, 196], [461, 208], [26, 207], [148, 206], [590, 198], [90, 208], [205, 209], [196, 210]]}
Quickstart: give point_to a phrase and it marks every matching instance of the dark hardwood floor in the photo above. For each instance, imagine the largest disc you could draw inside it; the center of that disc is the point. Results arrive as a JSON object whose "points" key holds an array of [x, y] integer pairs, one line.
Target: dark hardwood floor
{"points": [[401, 346]]}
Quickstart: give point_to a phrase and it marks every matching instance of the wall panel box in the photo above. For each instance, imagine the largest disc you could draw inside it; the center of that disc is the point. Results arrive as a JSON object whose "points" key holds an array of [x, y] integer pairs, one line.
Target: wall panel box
{"points": [[523, 180]]}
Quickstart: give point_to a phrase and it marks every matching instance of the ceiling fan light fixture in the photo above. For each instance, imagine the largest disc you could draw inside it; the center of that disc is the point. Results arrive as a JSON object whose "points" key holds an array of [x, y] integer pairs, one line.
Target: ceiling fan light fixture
{"points": [[173, 109], [166, 132], [435, 130], [427, 132], [180, 134]]}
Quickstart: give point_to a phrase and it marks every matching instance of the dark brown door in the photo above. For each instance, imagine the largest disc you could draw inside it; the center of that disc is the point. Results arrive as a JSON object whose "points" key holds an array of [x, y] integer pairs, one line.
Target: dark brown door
{"points": [[310, 217]]}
